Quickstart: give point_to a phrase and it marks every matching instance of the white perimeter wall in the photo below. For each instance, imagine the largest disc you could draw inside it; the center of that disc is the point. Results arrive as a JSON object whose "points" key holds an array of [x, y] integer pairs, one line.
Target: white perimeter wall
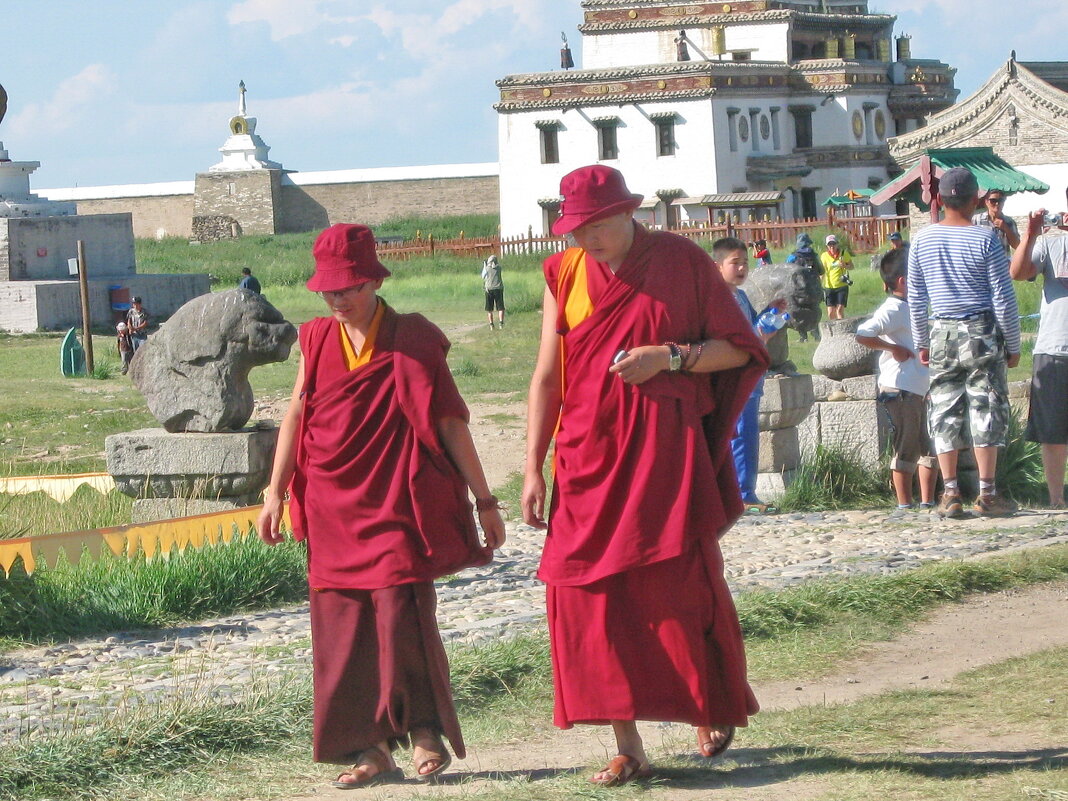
{"points": [[525, 180]]}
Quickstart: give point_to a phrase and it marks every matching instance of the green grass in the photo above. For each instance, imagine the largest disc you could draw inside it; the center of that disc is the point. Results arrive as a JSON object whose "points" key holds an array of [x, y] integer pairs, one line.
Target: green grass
{"points": [[114, 593], [835, 479], [37, 513]]}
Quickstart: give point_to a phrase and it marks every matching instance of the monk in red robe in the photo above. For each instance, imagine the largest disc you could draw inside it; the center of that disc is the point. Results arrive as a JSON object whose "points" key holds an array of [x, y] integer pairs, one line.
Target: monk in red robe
{"points": [[644, 366], [377, 458]]}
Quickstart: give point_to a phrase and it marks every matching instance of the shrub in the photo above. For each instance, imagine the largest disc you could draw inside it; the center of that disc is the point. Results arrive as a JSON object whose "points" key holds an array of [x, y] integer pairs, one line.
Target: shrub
{"points": [[836, 479]]}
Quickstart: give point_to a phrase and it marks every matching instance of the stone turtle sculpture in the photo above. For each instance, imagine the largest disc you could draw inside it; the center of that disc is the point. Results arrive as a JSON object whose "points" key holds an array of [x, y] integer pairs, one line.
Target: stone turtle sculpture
{"points": [[194, 371], [800, 288]]}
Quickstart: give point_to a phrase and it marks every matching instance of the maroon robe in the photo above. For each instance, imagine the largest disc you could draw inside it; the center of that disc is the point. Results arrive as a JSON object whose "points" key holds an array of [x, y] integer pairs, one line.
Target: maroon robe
{"points": [[384, 512], [644, 487], [374, 492]]}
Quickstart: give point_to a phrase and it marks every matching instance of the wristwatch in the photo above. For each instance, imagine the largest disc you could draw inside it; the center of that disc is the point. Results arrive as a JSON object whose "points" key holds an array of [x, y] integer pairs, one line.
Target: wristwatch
{"points": [[675, 360]]}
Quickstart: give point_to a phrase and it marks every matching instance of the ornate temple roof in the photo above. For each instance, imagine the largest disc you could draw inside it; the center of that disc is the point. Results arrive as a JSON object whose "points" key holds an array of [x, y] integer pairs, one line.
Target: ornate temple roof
{"points": [[1022, 83]]}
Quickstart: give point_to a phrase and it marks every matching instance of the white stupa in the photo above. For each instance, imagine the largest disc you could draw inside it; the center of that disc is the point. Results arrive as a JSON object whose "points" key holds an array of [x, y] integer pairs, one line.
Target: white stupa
{"points": [[16, 200], [244, 149]]}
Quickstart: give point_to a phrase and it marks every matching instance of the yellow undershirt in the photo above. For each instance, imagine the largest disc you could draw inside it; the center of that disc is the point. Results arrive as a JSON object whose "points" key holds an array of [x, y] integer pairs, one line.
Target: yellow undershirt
{"points": [[352, 358]]}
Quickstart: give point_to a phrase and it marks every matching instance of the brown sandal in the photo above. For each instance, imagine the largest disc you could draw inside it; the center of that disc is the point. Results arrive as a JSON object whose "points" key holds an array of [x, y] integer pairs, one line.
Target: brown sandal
{"points": [[371, 759], [704, 742], [440, 756], [620, 770]]}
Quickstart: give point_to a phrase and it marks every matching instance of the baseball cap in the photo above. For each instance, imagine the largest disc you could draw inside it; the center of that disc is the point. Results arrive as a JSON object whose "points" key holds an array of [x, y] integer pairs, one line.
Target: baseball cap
{"points": [[135, 299], [958, 182], [895, 237], [830, 240]]}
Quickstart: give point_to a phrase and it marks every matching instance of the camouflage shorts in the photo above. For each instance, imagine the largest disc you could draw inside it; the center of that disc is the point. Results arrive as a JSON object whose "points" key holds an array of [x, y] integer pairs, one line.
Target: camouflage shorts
{"points": [[969, 384]]}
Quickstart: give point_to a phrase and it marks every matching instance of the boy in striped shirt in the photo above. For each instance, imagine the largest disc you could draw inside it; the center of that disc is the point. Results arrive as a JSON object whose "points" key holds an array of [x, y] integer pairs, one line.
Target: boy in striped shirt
{"points": [[970, 341]]}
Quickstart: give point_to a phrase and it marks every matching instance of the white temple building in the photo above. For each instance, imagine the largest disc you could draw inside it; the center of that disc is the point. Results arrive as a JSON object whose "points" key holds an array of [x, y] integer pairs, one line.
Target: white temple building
{"points": [[756, 109]]}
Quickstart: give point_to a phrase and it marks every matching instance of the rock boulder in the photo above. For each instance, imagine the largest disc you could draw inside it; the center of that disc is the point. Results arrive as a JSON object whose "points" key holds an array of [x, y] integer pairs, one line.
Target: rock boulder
{"points": [[194, 371]]}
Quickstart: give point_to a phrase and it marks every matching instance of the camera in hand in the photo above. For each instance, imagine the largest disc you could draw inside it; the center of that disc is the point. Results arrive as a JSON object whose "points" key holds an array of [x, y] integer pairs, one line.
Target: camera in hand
{"points": [[1052, 220]]}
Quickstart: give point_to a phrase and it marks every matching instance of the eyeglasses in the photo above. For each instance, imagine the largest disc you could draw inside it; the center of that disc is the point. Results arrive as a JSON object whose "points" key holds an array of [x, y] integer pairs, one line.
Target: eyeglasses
{"points": [[997, 201]]}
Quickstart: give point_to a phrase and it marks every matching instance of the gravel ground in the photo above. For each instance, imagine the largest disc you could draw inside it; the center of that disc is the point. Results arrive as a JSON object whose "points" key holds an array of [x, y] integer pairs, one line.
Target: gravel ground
{"points": [[48, 688]]}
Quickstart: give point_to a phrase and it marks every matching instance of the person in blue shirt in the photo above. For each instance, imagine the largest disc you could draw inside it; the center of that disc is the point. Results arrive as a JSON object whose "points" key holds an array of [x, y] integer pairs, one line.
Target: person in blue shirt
{"points": [[248, 281], [732, 258]]}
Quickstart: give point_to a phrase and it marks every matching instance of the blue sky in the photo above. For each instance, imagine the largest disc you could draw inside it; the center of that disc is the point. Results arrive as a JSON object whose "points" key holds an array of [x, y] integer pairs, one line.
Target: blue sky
{"points": [[117, 91]]}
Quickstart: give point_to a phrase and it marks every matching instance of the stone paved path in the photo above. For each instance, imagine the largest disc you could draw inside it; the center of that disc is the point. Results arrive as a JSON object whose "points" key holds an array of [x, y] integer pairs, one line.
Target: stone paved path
{"points": [[47, 688]]}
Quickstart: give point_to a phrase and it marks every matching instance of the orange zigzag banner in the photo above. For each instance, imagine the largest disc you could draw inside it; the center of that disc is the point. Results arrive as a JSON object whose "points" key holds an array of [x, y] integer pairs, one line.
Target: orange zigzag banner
{"points": [[152, 539]]}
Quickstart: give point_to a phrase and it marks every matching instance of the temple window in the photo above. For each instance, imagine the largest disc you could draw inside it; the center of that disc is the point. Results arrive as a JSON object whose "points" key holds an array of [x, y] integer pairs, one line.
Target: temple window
{"points": [[548, 134], [802, 125], [665, 133], [607, 141]]}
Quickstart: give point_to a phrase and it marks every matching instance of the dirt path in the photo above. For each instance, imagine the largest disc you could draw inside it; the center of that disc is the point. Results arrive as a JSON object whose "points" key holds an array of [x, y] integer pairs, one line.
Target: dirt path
{"points": [[959, 637]]}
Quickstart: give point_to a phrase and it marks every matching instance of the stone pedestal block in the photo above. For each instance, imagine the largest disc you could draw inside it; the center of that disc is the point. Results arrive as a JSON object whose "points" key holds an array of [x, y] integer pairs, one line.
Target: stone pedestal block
{"points": [[772, 486], [786, 401], [148, 509], [1020, 398], [152, 463], [864, 387], [822, 387], [779, 450], [858, 428]]}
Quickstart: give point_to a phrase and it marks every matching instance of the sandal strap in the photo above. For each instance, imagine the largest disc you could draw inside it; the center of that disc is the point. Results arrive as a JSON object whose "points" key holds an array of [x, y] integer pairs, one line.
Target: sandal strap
{"points": [[373, 757]]}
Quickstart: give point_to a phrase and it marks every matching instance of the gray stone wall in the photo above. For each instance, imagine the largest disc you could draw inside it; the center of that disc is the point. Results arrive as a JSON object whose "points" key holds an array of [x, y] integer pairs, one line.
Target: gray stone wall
{"points": [[298, 208], [306, 208], [250, 197], [37, 248], [1036, 140], [153, 217], [27, 306]]}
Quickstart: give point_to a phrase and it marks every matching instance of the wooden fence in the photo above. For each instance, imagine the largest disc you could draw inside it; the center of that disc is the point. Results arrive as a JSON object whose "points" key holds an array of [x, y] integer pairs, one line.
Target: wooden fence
{"points": [[864, 234]]}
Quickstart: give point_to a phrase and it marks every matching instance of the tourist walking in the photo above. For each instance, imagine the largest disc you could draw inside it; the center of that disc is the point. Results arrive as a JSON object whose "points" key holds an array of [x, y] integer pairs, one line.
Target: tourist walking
{"points": [[835, 279], [644, 366], [137, 320], [972, 337], [1047, 420], [124, 342], [376, 456], [494, 287]]}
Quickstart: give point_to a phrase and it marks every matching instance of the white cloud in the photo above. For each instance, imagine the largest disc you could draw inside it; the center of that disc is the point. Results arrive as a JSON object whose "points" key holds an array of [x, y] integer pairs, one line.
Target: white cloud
{"points": [[284, 17], [75, 99]]}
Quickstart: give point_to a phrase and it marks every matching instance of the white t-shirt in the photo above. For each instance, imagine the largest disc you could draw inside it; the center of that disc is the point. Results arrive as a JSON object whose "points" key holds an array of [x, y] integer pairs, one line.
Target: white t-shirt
{"points": [[1050, 256], [891, 323]]}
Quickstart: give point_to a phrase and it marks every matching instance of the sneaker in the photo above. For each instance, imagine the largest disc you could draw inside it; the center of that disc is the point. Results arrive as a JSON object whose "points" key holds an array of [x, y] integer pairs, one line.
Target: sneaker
{"points": [[995, 506], [950, 506], [927, 505]]}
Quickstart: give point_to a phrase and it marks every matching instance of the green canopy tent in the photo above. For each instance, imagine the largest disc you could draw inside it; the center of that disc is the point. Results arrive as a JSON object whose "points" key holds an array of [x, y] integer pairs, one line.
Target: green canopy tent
{"points": [[919, 183]]}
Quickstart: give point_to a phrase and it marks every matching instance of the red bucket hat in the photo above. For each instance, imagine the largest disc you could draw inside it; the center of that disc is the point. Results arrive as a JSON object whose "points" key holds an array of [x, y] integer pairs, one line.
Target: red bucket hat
{"points": [[591, 194], [345, 256]]}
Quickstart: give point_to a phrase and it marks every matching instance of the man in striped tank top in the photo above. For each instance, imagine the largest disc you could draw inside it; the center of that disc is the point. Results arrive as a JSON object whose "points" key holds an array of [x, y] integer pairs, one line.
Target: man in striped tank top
{"points": [[969, 340]]}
